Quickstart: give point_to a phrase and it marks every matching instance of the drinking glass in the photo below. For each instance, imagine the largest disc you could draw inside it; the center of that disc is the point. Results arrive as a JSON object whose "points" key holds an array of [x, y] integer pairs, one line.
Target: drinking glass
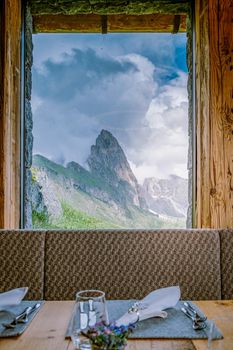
{"points": [[90, 309]]}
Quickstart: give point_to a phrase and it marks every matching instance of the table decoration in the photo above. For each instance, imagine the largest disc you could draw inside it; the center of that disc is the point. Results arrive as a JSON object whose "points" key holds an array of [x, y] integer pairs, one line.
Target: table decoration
{"points": [[108, 337]]}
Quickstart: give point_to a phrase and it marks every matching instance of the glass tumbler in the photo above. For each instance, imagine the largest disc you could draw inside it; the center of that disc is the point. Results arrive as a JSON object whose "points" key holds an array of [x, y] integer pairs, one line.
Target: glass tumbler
{"points": [[90, 309]]}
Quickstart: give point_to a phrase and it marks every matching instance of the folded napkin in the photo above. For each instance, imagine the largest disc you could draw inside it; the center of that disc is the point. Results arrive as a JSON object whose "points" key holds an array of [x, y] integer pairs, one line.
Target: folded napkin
{"points": [[12, 297], [151, 306]]}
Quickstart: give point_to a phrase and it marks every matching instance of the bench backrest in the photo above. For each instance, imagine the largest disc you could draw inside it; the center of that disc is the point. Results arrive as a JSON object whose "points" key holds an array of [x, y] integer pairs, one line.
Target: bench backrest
{"points": [[130, 264], [22, 261], [125, 264]]}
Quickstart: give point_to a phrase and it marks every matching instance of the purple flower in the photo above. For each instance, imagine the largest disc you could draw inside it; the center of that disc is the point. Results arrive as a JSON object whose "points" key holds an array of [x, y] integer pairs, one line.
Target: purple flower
{"points": [[109, 336]]}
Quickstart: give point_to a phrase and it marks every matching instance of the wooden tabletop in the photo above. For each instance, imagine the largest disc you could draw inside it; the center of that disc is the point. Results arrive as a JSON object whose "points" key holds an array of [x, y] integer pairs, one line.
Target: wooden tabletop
{"points": [[46, 331]]}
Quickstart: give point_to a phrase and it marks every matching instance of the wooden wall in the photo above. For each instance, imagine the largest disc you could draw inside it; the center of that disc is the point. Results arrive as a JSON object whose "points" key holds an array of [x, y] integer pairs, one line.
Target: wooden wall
{"points": [[214, 113], [10, 18]]}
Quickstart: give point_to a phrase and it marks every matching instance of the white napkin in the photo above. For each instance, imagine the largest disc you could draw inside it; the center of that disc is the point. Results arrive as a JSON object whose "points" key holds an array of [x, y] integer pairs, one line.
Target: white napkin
{"points": [[151, 306], [12, 297]]}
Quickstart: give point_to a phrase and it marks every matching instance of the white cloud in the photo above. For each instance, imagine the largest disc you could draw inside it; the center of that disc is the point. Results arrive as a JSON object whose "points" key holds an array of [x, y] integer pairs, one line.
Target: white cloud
{"points": [[167, 145]]}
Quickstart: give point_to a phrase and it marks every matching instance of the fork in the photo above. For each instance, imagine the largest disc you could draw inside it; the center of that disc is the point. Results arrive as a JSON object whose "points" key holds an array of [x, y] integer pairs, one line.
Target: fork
{"points": [[22, 317], [196, 315], [197, 325]]}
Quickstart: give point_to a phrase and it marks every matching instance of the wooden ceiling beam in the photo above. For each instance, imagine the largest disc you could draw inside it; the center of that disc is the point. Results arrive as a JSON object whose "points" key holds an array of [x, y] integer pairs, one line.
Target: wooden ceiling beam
{"points": [[92, 23], [107, 7]]}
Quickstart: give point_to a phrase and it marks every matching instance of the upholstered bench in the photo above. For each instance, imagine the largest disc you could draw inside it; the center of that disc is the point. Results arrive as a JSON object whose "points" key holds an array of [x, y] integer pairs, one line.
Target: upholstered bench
{"points": [[125, 264], [130, 264]]}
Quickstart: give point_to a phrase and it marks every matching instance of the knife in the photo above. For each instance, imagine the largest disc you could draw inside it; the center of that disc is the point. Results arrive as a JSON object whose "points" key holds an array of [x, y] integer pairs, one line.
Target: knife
{"points": [[92, 314], [83, 316]]}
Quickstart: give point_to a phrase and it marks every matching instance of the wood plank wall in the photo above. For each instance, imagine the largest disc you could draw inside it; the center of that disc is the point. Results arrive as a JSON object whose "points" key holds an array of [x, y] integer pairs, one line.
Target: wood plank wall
{"points": [[10, 113], [214, 113]]}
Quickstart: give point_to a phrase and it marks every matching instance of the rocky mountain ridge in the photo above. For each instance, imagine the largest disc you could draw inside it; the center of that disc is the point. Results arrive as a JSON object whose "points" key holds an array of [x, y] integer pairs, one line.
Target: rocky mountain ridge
{"points": [[167, 196], [108, 186]]}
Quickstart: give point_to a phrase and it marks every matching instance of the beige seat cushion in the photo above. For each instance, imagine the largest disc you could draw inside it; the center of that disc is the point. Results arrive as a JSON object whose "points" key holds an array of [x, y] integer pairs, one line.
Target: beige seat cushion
{"points": [[130, 264], [22, 261], [226, 238]]}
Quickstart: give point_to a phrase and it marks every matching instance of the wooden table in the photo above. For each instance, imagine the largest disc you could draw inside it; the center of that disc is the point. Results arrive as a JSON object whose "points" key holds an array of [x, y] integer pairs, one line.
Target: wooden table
{"points": [[46, 332]]}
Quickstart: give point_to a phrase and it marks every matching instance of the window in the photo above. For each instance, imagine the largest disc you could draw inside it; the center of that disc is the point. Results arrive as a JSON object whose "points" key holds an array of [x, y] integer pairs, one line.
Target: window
{"points": [[110, 116]]}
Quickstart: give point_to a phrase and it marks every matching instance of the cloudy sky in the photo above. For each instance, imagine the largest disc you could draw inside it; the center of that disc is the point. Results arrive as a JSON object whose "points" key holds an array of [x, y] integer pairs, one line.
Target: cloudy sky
{"points": [[133, 85]]}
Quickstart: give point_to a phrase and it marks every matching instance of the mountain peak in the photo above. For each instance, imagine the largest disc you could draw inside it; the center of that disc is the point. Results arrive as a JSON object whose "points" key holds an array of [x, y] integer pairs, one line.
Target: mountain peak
{"points": [[108, 161], [107, 155], [106, 140]]}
